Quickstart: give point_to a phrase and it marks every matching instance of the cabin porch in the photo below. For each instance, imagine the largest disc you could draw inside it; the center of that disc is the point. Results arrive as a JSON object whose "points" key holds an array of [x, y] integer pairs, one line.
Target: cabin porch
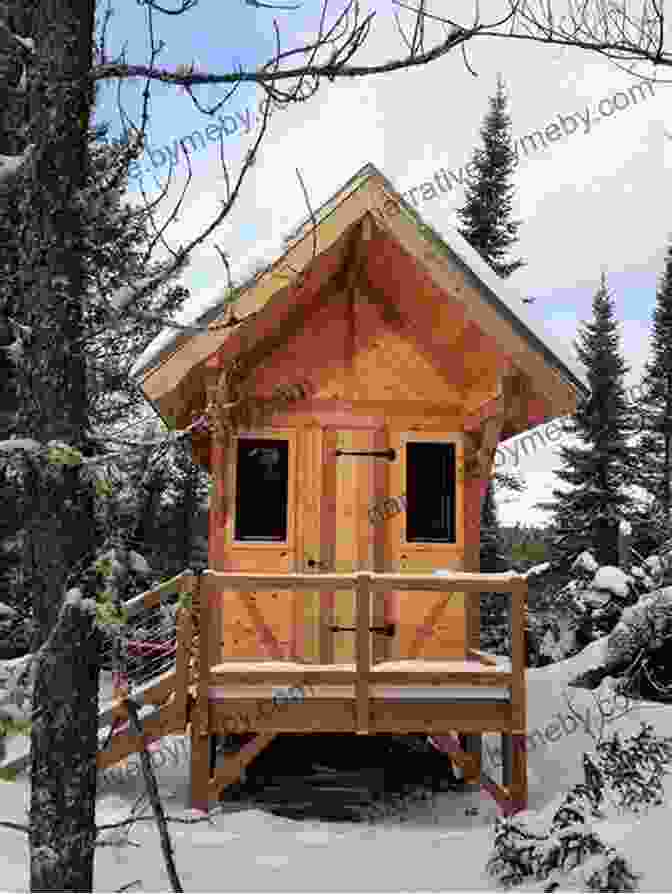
{"points": [[454, 700]]}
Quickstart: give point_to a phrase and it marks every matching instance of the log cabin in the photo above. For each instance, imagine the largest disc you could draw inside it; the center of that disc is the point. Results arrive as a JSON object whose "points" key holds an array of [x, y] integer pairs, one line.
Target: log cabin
{"points": [[348, 405]]}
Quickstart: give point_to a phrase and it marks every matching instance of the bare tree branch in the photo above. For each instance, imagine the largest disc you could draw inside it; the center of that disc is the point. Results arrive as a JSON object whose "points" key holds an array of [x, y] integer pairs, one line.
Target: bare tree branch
{"points": [[609, 31]]}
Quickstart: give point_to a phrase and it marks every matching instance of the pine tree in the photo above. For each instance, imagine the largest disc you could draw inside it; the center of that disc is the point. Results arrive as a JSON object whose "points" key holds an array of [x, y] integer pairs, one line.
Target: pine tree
{"points": [[487, 226], [490, 534], [118, 237], [588, 516], [653, 526], [493, 605], [486, 216]]}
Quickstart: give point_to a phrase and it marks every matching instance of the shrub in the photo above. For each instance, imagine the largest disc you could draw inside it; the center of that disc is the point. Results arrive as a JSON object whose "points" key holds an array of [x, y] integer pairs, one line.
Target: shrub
{"points": [[572, 855]]}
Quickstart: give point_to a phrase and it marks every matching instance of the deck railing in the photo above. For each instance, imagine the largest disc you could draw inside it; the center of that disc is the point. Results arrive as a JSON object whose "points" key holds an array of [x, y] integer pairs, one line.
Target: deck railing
{"points": [[364, 583]]}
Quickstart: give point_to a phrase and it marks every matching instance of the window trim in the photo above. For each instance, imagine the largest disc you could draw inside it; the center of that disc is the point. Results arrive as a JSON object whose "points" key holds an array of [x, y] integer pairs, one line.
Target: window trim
{"points": [[288, 435], [438, 437]]}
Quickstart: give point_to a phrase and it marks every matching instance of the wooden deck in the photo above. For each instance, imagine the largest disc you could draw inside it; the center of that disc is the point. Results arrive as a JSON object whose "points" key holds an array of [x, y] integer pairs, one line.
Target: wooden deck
{"points": [[439, 697]]}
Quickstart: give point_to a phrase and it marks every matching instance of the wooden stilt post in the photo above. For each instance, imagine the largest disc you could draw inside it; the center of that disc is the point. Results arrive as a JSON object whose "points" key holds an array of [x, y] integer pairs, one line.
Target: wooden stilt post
{"points": [[518, 699], [473, 746]]}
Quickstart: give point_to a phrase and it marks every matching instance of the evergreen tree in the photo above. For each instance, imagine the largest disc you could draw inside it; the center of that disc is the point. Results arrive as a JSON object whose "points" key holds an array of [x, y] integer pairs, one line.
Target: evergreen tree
{"points": [[490, 534], [493, 605], [654, 476], [588, 516], [487, 226], [486, 216], [117, 241]]}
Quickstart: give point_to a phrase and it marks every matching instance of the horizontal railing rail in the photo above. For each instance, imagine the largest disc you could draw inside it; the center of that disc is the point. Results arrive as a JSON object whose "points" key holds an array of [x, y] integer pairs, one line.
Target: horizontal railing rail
{"points": [[152, 598], [364, 675], [498, 583]]}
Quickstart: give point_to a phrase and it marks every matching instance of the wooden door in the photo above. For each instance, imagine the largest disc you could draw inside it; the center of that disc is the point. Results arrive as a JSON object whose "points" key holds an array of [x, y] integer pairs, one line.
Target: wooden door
{"points": [[354, 481], [260, 536], [431, 624]]}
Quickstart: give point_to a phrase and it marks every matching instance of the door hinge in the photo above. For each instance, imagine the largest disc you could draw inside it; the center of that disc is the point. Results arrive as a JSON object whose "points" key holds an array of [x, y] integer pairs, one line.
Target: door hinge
{"points": [[386, 630]]}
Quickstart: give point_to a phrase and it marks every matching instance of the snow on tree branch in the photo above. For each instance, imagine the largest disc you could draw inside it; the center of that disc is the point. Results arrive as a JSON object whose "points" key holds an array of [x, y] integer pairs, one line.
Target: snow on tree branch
{"points": [[10, 164], [26, 43], [20, 444]]}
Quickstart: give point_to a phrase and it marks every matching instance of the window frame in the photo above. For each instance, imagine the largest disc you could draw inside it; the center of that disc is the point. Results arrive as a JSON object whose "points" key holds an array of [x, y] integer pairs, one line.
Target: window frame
{"points": [[288, 436], [449, 458], [438, 437]]}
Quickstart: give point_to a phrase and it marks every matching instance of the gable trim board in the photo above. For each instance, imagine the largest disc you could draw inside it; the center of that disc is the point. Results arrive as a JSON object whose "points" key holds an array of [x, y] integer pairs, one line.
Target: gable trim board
{"points": [[490, 303]]}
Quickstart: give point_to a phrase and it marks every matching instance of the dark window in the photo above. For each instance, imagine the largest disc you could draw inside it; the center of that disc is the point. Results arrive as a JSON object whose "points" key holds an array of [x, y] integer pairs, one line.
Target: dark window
{"points": [[430, 492], [261, 489]]}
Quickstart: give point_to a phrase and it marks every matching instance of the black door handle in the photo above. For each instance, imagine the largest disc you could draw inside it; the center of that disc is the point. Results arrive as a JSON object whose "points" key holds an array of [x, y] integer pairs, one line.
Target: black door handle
{"points": [[386, 630], [390, 453]]}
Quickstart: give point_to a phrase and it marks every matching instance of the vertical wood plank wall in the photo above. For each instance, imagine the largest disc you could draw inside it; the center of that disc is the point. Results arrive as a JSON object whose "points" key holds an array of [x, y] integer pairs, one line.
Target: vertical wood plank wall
{"points": [[329, 523], [258, 624], [309, 533], [382, 603], [328, 542], [431, 625]]}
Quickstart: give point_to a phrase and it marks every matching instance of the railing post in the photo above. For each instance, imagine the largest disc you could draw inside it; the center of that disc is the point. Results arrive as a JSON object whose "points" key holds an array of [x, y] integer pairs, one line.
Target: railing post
{"points": [[200, 750], [362, 651], [183, 637], [518, 696], [202, 592]]}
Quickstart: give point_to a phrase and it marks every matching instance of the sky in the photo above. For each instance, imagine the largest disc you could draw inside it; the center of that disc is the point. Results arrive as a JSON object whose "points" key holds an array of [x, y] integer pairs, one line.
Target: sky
{"points": [[588, 196]]}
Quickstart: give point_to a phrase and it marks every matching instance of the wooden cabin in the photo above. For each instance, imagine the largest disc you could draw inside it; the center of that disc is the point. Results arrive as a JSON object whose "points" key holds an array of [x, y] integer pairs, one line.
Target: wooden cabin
{"points": [[416, 360], [356, 392]]}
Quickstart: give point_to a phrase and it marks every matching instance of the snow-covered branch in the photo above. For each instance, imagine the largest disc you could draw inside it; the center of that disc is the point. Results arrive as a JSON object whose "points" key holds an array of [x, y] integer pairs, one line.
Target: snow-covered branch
{"points": [[27, 44], [63, 454], [537, 569], [20, 444], [10, 164]]}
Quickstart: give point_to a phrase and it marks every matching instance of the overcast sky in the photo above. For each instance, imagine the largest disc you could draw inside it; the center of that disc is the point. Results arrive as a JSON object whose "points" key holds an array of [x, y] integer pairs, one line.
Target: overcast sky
{"points": [[591, 201]]}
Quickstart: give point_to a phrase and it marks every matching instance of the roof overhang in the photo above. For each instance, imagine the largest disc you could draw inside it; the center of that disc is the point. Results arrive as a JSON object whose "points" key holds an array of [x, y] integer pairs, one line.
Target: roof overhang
{"points": [[315, 255]]}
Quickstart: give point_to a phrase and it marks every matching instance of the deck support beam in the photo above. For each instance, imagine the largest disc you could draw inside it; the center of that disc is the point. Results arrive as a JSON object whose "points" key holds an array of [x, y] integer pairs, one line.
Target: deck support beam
{"points": [[234, 764]]}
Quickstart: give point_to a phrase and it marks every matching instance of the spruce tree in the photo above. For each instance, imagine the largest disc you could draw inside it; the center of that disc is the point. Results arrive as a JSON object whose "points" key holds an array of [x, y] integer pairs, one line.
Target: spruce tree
{"points": [[487, 226], [493, 605], [654, 450], [486, 216], [588, 516]]}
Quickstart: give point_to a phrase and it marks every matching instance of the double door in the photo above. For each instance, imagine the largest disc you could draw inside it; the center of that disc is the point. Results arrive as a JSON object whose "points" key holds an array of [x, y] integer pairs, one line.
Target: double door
{"points": [[344, 531], [334, 498]]}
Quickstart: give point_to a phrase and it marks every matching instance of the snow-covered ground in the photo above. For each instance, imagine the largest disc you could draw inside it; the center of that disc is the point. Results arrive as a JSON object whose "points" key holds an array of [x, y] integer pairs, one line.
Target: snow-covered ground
{"points": [[439, 847]]}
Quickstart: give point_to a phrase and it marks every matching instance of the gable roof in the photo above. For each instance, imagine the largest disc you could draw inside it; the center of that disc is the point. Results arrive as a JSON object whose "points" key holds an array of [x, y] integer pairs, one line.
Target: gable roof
{"points": [[174, 358]]}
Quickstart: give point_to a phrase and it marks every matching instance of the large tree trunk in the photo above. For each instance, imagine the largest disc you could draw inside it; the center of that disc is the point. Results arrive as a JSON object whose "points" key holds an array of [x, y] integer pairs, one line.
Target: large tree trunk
{"points": [[54, 406]]}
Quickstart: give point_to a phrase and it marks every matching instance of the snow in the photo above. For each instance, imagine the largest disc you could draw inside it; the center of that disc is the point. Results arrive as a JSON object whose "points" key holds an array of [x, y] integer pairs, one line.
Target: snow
{"points": [[10, 164], [138, 563], [73, 596], [27, 42], [20, 444], [612, 579], [124, 294], [654, 565], [438, 847], [195, 308], [585, 562], [537, 569]]}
